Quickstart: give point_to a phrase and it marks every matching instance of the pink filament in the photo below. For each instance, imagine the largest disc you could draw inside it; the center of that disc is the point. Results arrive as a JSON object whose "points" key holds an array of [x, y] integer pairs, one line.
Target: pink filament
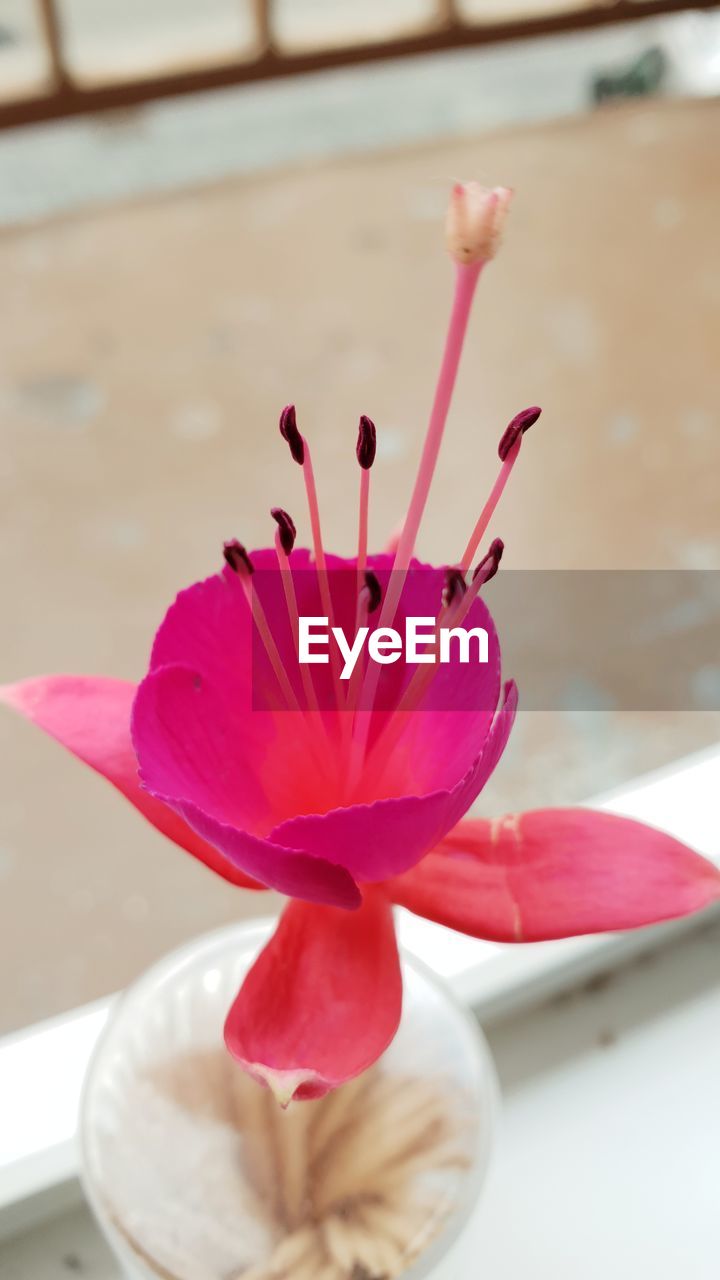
{"points": [[363, 523], [362, 544], [261, 622], [348, 750], [292, 608], [488, 510], [320, 562], [361, 621], [318, 549]]}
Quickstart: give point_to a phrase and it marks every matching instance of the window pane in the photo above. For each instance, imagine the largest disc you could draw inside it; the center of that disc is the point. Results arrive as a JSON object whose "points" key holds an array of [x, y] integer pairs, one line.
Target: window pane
{"points": [[111, 38], [510, 10], [310, 24], [23, 58]]}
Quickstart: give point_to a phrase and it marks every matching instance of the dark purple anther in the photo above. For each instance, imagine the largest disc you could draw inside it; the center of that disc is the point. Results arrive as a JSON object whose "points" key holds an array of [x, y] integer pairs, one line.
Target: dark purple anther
{"points": [[237, 558], [289, 431], [286, 526], [366, 443], [521, 423], [489, 564], [455, 586], [374, 591]]}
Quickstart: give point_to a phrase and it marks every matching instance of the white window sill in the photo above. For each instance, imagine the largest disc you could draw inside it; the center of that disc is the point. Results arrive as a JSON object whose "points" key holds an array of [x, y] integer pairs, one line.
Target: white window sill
{"points": [[42, 1068]]}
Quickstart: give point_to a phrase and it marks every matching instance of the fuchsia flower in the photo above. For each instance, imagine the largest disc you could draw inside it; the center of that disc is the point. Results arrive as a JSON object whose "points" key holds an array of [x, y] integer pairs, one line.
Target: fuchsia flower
{"points": [[349, 799]]}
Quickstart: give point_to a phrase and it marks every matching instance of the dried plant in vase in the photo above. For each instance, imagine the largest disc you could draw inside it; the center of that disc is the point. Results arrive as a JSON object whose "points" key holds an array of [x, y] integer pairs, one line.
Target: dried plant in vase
{"points": [[347, 789], [350, 1184]]}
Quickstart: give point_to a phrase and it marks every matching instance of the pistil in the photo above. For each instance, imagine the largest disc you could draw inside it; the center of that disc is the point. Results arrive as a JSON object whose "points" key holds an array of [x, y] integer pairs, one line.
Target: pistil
{"points": [[466, 280], [474, 227]]}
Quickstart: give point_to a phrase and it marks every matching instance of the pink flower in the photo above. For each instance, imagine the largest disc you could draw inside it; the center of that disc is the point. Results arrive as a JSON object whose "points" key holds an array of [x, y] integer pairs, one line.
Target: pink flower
{"points": [[351, 797]]}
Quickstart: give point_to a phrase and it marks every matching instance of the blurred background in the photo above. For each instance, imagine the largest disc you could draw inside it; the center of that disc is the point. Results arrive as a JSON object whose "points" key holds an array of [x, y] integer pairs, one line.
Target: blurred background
{"points": [[209, 210]]}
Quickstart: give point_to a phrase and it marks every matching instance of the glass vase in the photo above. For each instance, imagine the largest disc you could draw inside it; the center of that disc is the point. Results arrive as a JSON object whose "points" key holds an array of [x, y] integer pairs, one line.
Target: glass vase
{"points": [[195, 1173]]}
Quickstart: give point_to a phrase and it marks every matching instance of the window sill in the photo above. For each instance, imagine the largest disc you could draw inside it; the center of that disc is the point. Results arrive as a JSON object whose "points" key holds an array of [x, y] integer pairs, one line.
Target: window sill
{"points": [[42, 1068]]}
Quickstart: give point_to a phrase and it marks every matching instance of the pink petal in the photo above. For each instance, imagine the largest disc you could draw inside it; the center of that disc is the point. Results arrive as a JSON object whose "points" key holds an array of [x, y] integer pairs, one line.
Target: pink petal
{"points": [[556, 873], [377, 840], [193, 758], [90, 716], [193, 742], [383, 839], [323, 1000], [299, 875], [467, 792], [208, 627], [276, 763], [208, 630]]}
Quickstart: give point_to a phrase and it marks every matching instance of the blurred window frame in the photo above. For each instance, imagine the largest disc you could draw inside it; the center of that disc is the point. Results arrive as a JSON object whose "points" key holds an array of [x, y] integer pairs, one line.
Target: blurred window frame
{"points": [[62, 94]]}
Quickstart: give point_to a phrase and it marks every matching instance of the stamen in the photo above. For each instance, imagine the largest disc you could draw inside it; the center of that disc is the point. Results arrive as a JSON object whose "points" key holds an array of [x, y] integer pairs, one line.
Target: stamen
{"points": [[490, 563], [508, 450], [237, 558], [366, 448], [374, 591], [239, 561], [301, 453], [366, 443], [289, 431], [483, 573], [455, 586], [368, 601], [423, 676], [283, 547], [287, 531], [348, 750], [521, 423], [365, 595], [318, 549]]}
